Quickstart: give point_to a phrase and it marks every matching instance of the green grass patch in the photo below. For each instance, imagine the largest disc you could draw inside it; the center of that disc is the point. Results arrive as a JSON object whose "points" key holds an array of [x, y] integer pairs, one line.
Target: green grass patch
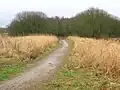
{"points": [[79, 80], [83, 79], [10, 70]]}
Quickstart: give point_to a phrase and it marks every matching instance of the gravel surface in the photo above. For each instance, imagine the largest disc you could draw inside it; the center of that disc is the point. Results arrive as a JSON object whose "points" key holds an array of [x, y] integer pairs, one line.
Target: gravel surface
{"points": [[31, 79]]}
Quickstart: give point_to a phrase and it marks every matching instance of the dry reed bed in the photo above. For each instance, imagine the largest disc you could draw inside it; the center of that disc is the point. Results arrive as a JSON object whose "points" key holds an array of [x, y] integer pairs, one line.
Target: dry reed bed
{"points": [[103, 55], [27, 47]]}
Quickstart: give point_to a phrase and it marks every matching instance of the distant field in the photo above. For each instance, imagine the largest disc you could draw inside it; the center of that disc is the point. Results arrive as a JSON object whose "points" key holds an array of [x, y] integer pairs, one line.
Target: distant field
{"points": [[16, 51], [92, 65], [3, 30]]}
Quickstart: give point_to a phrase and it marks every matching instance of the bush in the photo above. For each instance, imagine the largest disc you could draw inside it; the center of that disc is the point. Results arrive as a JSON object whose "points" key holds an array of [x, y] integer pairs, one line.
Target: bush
{"points": [[27, 23]]}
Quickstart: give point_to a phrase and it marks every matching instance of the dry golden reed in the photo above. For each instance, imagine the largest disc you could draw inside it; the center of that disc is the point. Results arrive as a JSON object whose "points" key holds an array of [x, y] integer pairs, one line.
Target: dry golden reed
{"points": [[25, 47], [103, 55]]}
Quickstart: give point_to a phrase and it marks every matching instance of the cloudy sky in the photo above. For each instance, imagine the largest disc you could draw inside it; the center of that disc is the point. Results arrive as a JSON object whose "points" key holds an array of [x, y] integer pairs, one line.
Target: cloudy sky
{"points": [[67, 8]]}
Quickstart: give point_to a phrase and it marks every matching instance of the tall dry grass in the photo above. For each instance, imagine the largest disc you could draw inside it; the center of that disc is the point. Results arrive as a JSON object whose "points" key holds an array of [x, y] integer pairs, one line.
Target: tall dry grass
{"points": [[25, 48], [102, 55]]}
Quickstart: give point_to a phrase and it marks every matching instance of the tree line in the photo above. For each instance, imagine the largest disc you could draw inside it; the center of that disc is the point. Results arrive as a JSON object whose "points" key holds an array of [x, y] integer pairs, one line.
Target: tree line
{"points": [[93, 22]]}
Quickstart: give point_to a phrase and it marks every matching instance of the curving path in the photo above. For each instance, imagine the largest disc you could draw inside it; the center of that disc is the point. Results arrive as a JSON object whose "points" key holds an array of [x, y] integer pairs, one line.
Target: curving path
{"points": [[30, 80]]}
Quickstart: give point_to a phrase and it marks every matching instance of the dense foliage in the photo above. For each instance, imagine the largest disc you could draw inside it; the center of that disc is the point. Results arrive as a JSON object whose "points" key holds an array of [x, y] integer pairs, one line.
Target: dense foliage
{"points": [[93, 22], [28, 23]]}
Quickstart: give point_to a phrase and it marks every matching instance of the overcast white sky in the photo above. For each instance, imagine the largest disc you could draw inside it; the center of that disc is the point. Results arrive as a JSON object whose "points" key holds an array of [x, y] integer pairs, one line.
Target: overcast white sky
{"points": [[67, 8]]}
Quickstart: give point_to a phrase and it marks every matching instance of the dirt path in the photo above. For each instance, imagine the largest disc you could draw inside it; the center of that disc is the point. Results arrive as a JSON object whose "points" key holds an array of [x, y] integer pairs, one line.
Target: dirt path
{"points": [[31, 79]]}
